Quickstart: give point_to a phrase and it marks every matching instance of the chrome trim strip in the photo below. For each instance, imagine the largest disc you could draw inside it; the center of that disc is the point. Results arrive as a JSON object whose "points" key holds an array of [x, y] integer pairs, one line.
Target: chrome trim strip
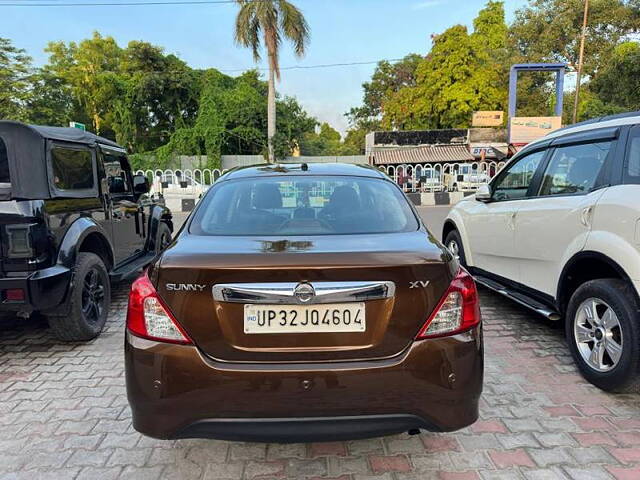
{"points": [[283, 293]]}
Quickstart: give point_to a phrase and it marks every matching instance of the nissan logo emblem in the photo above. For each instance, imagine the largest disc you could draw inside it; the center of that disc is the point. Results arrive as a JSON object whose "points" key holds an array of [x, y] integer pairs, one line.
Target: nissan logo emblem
{"points": [[304, 292]]}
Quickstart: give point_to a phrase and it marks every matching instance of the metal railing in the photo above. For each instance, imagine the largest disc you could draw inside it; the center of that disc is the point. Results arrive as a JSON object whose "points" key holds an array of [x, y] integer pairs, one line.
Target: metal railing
{"points": [[187, 181], [442, 177], [413, 178]]}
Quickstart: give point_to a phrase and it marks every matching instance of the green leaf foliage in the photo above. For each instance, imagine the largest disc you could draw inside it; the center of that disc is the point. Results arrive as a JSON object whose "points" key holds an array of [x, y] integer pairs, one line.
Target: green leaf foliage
{"points": [[461, 74], [15, 68], [618, 82], [465, 72]]}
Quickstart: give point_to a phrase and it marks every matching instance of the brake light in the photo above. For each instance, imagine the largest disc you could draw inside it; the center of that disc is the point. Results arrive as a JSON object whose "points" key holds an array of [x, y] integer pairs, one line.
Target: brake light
{"points": [[458, 310], [148, 317], [14, 295]]}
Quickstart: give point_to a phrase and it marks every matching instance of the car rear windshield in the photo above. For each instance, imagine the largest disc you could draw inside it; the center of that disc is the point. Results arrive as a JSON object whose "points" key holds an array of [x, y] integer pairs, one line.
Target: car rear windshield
{"points": [[303, 206], [4, 163]]}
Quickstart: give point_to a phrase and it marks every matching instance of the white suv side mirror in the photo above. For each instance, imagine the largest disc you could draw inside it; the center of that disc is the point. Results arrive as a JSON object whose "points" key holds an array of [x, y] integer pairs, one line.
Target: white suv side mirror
{"points": [[483, 194]]}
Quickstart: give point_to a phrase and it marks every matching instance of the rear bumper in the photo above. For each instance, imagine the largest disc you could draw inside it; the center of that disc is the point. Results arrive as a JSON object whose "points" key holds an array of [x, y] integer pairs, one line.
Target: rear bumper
{"points": [[176, 392], [44, 289], [295, 430]]}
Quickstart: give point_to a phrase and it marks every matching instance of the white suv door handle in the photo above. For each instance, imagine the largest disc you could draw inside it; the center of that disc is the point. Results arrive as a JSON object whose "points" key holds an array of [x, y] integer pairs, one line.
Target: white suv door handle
{"points": [[512, 220], [585, 218]]}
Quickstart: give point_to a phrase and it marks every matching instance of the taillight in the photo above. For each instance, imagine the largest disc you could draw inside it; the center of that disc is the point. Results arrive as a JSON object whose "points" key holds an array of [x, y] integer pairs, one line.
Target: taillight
{"points": [[19, 241], [458, 310], [148, 317]]}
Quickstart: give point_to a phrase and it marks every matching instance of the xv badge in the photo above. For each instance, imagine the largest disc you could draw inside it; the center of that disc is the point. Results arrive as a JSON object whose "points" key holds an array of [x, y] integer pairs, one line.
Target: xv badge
{"points": [[419, 284]]}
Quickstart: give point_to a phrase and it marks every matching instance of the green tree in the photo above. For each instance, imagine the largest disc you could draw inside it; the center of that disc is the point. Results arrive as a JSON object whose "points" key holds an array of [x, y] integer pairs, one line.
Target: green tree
{"points": [[549, 30], [293, 123], [272, 20], [50, 101], [231, 119], [15, 68], [160, 93], [206, 136], [90, 68], [618, 82], [388, 78], [463, 73], [354, 142], [326, 141]]}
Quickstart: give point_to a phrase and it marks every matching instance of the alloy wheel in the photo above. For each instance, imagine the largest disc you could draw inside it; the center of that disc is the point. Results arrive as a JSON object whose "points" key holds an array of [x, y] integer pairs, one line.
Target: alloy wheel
{"points": [[93, 296], [454, 249], [598, 335]]}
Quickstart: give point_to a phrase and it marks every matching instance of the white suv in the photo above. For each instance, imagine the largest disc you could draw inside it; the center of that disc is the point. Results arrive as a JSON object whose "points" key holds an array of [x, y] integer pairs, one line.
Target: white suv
{"points": [[558, 230]]}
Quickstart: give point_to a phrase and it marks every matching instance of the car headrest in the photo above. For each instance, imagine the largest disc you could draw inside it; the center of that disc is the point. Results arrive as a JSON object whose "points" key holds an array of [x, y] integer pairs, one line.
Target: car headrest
{"points": [[344, 197], [584, 171], [267, 195]]}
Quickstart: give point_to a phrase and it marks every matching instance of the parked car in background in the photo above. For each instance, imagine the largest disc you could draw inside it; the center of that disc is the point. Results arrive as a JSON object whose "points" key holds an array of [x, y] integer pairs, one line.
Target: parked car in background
{"points": [[178, 182], [466, 178], [302, 303], [558, 230], [431, 180], [72, 218]]}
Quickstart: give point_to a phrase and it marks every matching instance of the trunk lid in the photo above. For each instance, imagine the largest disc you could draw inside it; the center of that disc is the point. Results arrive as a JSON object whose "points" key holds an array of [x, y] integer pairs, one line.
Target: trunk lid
{"points": [[191, 268]]}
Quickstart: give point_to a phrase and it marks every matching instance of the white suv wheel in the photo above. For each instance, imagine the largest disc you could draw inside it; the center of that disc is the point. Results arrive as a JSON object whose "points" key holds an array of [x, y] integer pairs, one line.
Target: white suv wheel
{"points": [[598, 335]]}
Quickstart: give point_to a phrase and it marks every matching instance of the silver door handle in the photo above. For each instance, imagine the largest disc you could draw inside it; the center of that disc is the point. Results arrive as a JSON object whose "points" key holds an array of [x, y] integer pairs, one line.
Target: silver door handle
{"points": [[585, 217]]}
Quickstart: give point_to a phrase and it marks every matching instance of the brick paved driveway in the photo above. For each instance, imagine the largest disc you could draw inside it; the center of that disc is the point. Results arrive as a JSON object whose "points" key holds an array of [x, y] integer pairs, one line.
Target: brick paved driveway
{"points": [[64, 414]]}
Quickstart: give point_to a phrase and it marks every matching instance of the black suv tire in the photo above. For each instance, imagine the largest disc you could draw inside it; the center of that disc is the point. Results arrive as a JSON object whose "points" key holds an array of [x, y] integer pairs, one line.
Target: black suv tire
{"points": [[89, 301], [620, 297], [453, 237], [164, 237]]}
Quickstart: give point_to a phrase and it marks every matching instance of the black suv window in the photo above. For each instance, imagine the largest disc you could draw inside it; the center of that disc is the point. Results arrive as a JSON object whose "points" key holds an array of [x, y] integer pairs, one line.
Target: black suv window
{"points": [[72, 169], [4, 163], [117, 179], [574, 168], [513, 184]]}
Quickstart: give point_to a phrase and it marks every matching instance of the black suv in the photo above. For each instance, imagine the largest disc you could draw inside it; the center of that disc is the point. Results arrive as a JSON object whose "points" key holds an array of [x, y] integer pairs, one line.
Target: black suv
{"points": [[72, 218]]}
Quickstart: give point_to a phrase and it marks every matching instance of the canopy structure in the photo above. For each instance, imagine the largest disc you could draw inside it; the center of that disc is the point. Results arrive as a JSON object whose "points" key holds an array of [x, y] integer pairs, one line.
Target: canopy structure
{"points": [[423, 154], [26, 147]]}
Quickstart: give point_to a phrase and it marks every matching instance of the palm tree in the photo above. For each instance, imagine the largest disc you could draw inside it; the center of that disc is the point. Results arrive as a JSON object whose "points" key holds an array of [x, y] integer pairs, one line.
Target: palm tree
{"points": [[270, 21]]}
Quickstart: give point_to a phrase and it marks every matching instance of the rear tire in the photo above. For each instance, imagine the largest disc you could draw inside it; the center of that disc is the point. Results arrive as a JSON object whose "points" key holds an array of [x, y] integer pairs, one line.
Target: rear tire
{"points": [[89, 301], [603, 333], [453, 242], [164, 237]]}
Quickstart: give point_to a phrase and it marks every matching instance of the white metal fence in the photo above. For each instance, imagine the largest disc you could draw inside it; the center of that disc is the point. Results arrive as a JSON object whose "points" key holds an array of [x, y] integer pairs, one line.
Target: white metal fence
{"points": [[442, 177], [415, 178]]}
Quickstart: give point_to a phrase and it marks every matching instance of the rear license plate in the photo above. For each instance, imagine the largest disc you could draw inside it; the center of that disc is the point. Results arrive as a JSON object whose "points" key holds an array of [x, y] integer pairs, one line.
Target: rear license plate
{"points": [[330, 318]]}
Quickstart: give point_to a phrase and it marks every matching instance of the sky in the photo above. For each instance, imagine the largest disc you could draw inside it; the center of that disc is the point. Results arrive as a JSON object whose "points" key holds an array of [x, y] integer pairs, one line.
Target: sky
{"points": [[342, 31]]}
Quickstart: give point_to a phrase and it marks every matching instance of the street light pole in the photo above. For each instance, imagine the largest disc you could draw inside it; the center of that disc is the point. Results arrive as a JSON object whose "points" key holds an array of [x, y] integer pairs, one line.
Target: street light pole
{"points": [[580, 60]]}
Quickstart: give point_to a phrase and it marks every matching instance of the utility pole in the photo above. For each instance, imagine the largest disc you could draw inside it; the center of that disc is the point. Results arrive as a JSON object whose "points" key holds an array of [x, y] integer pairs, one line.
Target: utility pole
{"points": [[580, 60]]}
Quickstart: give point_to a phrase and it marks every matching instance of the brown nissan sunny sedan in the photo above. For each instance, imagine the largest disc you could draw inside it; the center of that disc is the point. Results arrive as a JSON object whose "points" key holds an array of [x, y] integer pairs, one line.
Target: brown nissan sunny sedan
{"points": [[303, 303]]}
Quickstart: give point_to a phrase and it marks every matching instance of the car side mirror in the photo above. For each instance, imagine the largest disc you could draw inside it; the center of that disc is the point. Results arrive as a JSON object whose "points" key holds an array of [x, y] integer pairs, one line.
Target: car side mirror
{"points": [[141, 184], [483, 194]]}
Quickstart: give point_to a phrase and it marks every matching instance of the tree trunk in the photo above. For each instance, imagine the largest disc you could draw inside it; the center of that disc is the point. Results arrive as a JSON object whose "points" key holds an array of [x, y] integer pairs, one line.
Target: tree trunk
{"points": [[271, 108]]}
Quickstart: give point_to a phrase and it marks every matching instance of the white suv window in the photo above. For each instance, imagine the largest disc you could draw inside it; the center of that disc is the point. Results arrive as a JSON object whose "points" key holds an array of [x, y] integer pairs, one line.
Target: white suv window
{"points": [[514, 183], [574, 169], [633, 157]]}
